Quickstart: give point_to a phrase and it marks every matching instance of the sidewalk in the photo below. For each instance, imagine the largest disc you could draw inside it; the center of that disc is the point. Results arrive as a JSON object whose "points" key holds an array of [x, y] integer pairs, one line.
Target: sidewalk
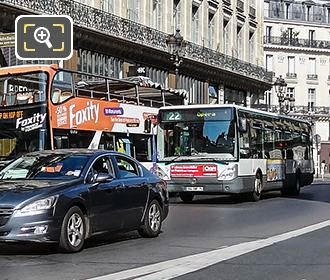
{"points": [[319, 180]]}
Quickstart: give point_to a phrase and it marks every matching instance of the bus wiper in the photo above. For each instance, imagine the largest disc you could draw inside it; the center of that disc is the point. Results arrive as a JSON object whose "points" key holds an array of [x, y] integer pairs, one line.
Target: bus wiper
{"points": [[173, 160], [218, 160]]}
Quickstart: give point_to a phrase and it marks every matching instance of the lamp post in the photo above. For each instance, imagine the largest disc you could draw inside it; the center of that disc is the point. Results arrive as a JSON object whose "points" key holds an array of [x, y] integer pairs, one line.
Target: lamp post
{"points": [[285, 102], [176, 47], [317, 139]]}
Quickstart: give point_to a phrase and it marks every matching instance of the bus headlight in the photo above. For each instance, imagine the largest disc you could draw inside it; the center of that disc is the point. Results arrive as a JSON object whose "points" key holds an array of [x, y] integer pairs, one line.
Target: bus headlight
{"points": [[161, 174], [229, 173]]}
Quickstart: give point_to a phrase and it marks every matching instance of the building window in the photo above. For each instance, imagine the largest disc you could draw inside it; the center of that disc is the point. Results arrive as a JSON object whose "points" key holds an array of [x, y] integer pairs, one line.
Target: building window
{"points": [[239, 42], [99, 64], [287, 10], [269, 63], [268, 34], [291, 65], [266, 9], [290, 92], [157, 14], [311, 99], [234, 96], [213, 94], [251, 47], [226, 36], [133, 10], [311, 35], [309, 13], [108, 6], [311, 66], [195, 24], [176, 15], [211, 30], [328, 15]]}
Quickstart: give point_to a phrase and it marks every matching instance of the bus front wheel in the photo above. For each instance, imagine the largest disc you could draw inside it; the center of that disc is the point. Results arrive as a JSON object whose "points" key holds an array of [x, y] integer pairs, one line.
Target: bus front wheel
{"points": [[258, 186], [186, 197]]}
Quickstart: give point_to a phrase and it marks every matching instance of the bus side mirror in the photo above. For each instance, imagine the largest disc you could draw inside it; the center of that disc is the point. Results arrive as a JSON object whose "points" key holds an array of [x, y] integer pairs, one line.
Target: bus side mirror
{"points": [[242, 125], [147, 125]]}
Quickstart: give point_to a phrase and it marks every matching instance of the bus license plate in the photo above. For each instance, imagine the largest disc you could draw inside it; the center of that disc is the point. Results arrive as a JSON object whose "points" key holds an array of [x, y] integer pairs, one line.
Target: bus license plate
{"points": [[194, 189]]}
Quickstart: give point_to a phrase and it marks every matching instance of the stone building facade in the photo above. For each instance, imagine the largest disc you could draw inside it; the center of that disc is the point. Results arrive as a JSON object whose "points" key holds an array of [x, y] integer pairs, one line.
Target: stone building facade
{"points": [[297, 47], [223, 55]]}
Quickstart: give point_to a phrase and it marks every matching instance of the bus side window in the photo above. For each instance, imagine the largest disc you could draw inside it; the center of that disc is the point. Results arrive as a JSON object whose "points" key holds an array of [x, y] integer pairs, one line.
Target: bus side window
{"points": [[244, 143], [256, 142], [62, 87]]}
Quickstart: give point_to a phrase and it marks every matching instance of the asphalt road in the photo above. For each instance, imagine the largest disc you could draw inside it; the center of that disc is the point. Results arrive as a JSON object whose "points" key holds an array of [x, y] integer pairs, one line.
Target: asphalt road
{"points": [[209, 224]]}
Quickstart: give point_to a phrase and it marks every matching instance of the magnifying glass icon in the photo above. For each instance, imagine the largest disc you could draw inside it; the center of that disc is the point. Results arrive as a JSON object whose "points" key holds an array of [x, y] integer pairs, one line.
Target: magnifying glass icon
{"points": [[42, 35]]}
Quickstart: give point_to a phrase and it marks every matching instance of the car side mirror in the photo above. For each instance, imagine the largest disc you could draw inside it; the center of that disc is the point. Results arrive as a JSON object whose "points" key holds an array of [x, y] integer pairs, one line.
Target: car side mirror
{"points": [[103, 178], [242, 125]]}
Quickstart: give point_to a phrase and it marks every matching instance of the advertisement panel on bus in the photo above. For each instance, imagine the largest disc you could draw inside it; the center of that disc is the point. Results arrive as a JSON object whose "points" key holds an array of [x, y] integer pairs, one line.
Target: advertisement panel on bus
{"points": [[93, 114]]}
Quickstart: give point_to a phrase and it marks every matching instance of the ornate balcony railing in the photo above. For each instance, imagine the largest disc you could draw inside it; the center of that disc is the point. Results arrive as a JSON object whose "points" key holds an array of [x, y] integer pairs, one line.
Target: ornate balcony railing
{"points": [[240, 6], [109, 24], [252, 12], [295, 42], [321, 113], [312, 76], [291, 75], [226, 62]]}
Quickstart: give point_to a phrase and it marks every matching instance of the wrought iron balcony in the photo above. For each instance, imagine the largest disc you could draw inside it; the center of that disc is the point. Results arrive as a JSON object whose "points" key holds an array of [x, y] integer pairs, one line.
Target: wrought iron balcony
{"points": [[226, 62], [240, 6], [291, 75], [295, 42], [252, 12], [95, 19], [312, 76], [278, 12]]}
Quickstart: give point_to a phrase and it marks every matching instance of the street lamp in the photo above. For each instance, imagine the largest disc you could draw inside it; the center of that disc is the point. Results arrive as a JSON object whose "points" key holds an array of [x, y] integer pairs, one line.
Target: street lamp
{"points": [[176, 47], [317, 139]]}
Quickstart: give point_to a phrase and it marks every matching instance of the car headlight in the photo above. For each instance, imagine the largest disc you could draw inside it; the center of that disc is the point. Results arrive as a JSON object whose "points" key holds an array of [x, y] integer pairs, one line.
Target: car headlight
{"points": [[37, 207], [229, 173]]}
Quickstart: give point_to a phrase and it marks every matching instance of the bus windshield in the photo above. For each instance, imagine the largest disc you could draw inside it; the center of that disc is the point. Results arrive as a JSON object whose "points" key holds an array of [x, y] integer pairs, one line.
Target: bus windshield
{"points": [[200, 133], [23, 89]]}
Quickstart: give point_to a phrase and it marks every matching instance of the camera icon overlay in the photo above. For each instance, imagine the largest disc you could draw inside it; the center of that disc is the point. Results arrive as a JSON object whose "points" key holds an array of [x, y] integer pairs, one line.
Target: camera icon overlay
{"points": [[43, 37]]}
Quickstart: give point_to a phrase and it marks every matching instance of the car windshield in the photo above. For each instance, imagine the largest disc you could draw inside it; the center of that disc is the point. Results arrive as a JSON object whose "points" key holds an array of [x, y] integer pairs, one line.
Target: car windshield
{"points": [[50, 166]]}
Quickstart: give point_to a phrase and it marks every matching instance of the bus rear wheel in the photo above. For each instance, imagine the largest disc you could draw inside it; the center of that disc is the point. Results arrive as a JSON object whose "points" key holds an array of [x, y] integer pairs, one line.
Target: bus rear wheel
{"points": [[186, 197]]}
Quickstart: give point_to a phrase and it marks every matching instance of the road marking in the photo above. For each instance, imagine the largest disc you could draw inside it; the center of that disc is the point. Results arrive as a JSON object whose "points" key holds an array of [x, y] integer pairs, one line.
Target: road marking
{"points": [[181, 266]]}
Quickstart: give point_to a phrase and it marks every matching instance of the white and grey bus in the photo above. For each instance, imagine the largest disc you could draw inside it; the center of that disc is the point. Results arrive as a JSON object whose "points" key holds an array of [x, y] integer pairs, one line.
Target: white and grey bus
{"points": [[228, 149]]}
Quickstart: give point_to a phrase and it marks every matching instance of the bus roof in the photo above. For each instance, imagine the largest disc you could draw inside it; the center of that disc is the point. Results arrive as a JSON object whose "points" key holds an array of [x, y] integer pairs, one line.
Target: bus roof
{"points": [[26, 68], [212, 106]]}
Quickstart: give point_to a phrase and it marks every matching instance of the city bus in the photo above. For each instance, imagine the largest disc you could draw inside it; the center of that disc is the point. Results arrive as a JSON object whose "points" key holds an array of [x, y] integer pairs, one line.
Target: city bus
{"points": [[229, 149], [45, 107]]}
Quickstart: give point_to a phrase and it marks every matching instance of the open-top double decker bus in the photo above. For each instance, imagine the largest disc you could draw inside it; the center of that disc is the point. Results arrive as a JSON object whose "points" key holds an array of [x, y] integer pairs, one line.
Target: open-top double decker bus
{"points": [[45, 107], [228, 149]]}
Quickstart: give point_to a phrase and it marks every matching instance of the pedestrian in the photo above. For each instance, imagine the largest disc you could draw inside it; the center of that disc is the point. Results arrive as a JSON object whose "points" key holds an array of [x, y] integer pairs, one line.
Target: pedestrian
{"points": [[323, 166]]}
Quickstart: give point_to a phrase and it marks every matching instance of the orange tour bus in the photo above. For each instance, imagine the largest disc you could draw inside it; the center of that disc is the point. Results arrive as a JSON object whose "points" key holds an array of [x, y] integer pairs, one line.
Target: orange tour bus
{"points": [[45, 107]]}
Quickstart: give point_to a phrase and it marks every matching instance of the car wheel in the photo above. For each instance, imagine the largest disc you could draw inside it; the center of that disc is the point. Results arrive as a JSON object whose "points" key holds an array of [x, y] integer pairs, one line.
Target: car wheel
{"points": [[186, 197], [256, 194], [73, 231], [152, 222]]}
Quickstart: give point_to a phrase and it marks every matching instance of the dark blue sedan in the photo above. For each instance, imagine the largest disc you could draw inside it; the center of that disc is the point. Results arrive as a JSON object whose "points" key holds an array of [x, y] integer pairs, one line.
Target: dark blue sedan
{"points": [[66, 196]]}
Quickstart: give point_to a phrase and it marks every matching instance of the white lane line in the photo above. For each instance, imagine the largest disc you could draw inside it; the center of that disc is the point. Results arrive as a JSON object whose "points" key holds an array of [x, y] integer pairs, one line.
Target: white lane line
{"points": [[180, 266]]}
